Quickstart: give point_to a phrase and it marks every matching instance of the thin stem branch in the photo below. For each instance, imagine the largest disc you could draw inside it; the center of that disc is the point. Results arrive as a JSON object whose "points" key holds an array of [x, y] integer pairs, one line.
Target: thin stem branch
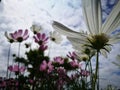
{"points": [[8, 60]]}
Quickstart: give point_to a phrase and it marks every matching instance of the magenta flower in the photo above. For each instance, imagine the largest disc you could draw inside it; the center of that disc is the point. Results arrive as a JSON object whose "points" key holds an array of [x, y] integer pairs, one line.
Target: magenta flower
{"points": [[74, 64], [40, 38], [19, 35], [84, 73], [61, 72], [46, 67], [59, 60], [43, 47], [72, 55], [16, 68]]}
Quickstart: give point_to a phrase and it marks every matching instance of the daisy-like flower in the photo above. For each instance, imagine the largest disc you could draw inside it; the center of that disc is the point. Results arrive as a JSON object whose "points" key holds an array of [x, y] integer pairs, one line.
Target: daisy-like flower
{"points": [[20, 35], [35, 28], [55, 37], [9, 37], [40, 38], [99, 35]]}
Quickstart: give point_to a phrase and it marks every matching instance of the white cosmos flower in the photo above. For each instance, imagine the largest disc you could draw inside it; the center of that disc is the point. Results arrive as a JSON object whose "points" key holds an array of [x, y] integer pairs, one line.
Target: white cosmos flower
{"points": [[36, 28], [55, 37], [99, 34], [9, 37]]}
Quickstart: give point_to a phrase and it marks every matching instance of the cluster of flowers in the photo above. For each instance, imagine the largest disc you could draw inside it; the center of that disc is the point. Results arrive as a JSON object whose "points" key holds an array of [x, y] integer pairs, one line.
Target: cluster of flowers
{"points": [[43, 73]]}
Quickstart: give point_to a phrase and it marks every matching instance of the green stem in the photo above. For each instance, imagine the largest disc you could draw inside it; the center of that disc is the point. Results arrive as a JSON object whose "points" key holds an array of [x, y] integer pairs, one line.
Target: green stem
{"points": [[87, 62], [91, 73], [96, 71], [19, 57]]}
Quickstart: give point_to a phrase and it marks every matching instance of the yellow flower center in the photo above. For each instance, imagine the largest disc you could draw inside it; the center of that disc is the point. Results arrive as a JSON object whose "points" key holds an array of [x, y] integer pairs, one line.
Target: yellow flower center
{"points": [[98, 41]]}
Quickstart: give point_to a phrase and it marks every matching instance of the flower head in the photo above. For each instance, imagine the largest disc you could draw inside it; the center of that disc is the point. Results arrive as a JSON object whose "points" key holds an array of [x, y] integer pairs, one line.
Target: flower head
{"points": [[84, 73], [55, 37], [59, 60], [40, 38], [99, 35], [19, 35], [16, 68], [35, 28], [9, 37], [72, 55], [46, 67], [74, 64]]}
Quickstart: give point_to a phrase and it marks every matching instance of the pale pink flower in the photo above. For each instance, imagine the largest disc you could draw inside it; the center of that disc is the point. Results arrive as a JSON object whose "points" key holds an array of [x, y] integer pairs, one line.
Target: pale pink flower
{"points": [[46, 67], [16, 68], [40, 38], [59, 60], [72, 55], [74, 64], [84, 73], [61, 72], [20, 35]]}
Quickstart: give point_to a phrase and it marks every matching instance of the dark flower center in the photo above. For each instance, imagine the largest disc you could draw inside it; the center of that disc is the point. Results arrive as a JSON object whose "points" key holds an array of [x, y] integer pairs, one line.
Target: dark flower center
{"points": [[40, 42], [53, 39], [19, 39]]}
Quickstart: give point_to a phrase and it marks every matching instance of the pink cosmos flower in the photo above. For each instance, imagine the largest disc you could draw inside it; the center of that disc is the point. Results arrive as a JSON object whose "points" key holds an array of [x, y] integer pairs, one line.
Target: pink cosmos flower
{"points": [[72, 55], [59, 60], [19, 35], [84, 73], [74, 64], [16, 68], [61, 72], [40, 38], [46, 67]]}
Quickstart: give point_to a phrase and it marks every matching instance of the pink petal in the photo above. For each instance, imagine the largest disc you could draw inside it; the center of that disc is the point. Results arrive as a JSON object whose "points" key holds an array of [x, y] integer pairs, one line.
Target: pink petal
{"points": [[25, 37], [19, 33], [10, 68], [43, 36], [36, 40], [14, 35], [16, 68], [22, 69], [25, 33], [43, 66], [46, 38], [39, 36]]}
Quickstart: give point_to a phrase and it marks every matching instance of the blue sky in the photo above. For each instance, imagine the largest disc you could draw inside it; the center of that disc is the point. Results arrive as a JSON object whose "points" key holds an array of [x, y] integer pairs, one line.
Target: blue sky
{"points": [[15, 14]]}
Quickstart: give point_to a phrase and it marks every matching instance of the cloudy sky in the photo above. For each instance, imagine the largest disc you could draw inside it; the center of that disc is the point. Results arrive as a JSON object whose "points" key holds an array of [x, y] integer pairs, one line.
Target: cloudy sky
{"points": [[16, 14]]}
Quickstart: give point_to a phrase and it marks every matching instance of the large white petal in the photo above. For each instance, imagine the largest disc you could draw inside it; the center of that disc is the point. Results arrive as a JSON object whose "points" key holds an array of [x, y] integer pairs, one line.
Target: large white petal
{"points": [[113, 20], [64, 30], [103, 52], [92, 14], [78, 41], [114, 40]]}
